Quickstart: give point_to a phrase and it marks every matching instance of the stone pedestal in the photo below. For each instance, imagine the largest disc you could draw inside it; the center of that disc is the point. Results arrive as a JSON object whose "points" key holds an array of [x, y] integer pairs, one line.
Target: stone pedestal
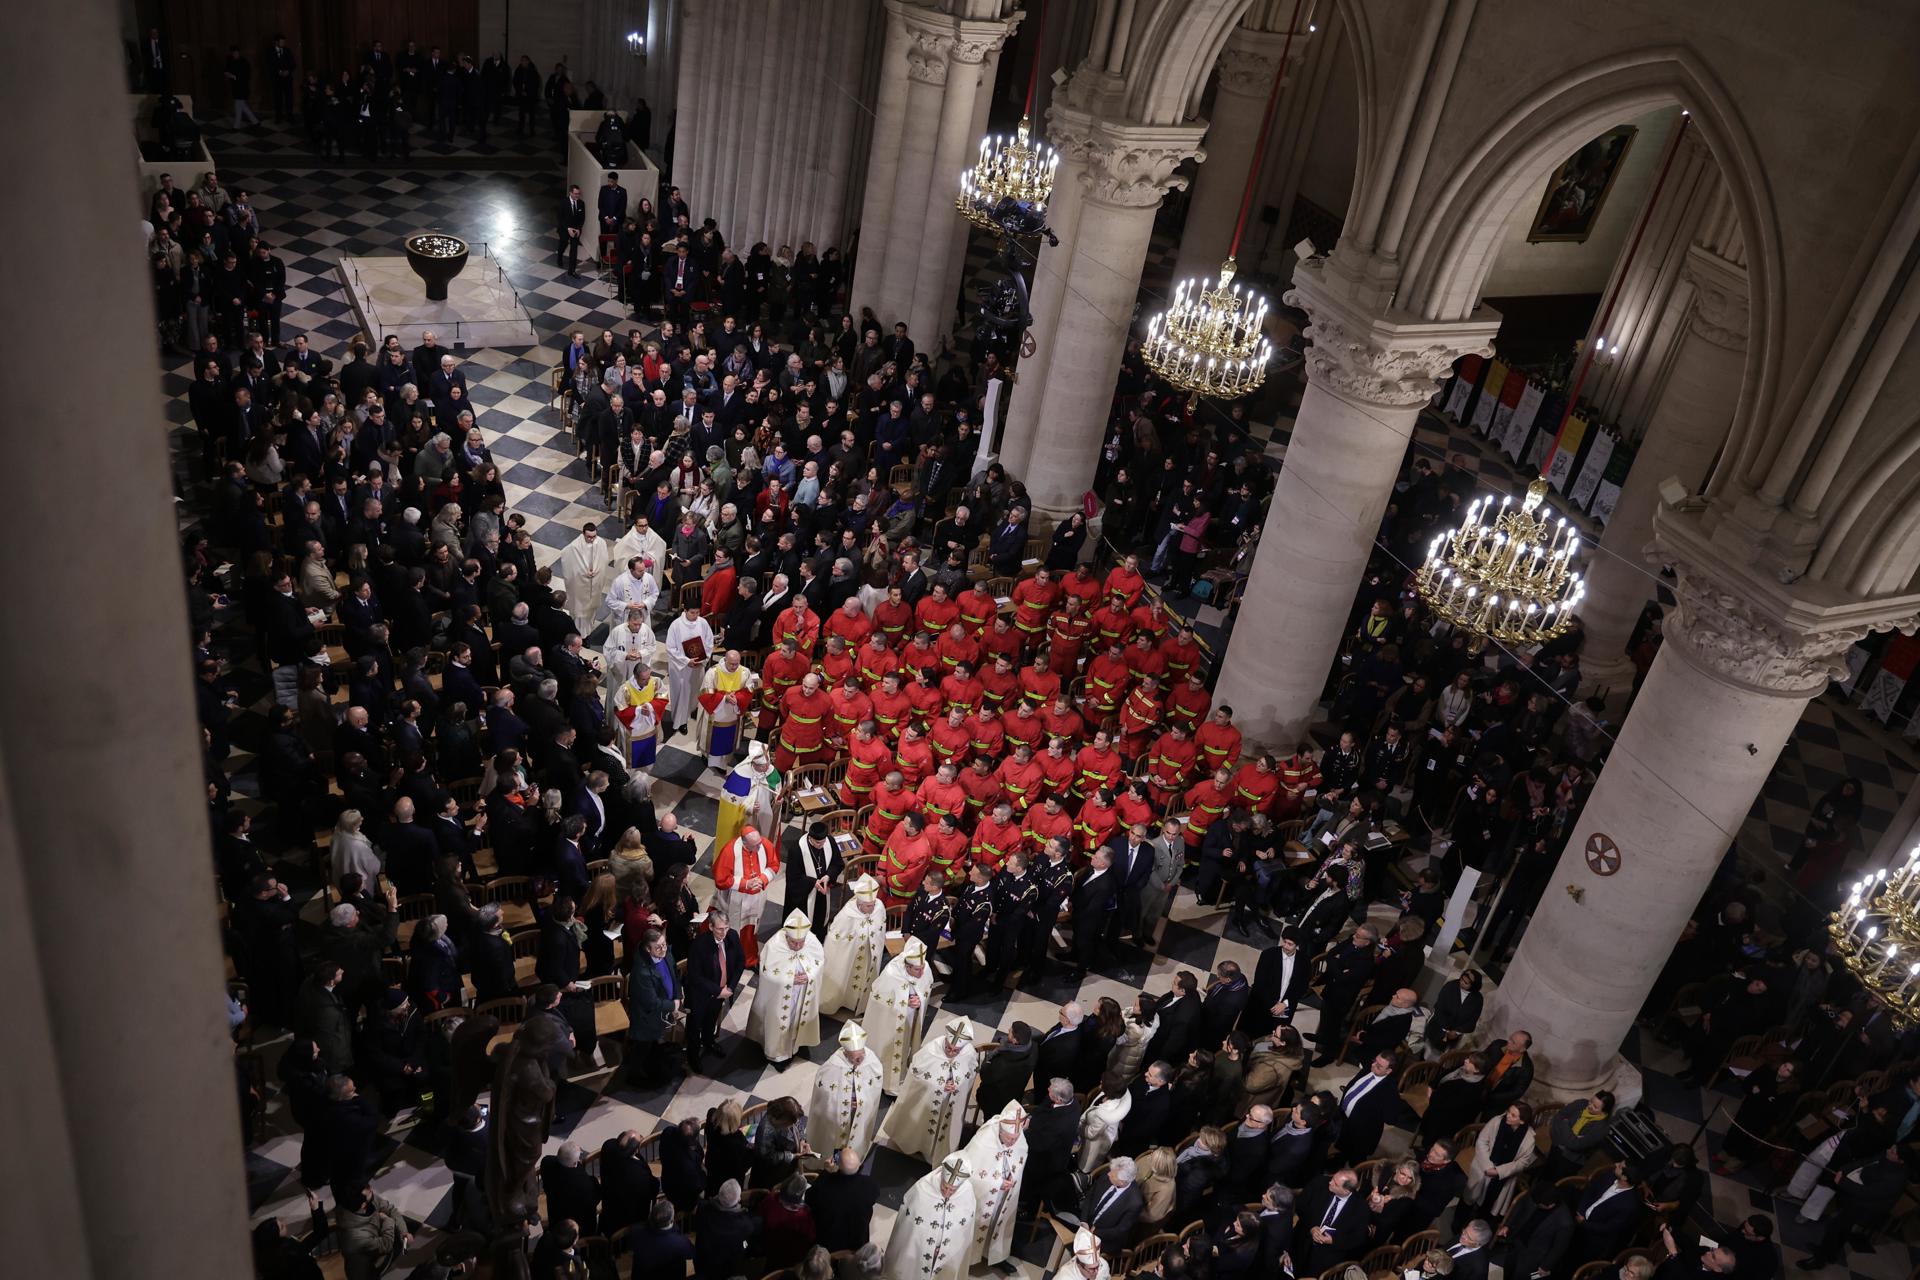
{"points": [[1368, 376], [1686, 428], [1130, 168], [481, 308], [1742, 657], [1247, 67]]}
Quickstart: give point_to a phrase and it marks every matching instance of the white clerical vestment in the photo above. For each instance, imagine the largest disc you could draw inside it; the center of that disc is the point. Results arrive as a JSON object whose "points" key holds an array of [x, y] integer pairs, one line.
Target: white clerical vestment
{"points": [[995, 1203], [856, 948], [932, 1234], [845, 1107], [786, 1011], [586, 567], [648, 546], [926, 1120], [683, 669], [627, 649], [896, 1014], [627, 590]]}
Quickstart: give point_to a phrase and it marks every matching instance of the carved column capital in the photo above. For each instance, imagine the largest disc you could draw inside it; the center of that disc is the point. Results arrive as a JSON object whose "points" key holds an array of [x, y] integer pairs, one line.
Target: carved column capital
{"points": [[1374, 358], [1250, 59], [1754, 632], [1132, 166], [1719, 312], [927, 53]]}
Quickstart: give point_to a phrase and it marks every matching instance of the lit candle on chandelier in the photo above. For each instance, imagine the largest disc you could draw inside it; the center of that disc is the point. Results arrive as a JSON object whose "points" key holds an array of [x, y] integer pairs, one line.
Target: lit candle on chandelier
{"points": [[1893, 949]]}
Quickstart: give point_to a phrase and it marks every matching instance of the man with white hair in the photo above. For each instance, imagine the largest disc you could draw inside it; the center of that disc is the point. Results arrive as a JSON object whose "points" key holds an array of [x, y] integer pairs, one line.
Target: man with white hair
{"points": [[1112, 1208], [933, 1232], [786, 995], [897, 1010], [926, 1121], [726, 695], [845, 1107], [998, 1156], [586, 565], [856, 947]]}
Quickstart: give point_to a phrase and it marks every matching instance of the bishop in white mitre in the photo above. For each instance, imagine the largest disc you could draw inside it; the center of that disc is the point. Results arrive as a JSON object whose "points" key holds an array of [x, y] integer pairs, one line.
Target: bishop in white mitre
{"points": [[856, 948], [897, 1012], [926, 1120], [845, 1107], [635, 586], [786, 993], [933, 1232], [587, 568], [1087, 1263], [998, 1154]]}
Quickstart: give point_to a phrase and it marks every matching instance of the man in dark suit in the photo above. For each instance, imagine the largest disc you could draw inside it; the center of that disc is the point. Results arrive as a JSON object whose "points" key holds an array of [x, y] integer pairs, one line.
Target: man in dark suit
{"points": [[570, 876], [1349, 968], [841, 1201], [1059, 1049], [558, 966], [1094, 897], [1279, 980], [1370, 1102], [572, 1190], [492, 958], [1052, 1129], [653, 999], [1151, 1114], [1005, 1073], [1249, 1147], [627, 1184], [613, 205], [1442, 1181], [1113, 1208], [1511, 1074], [410, 848], [1132, 855], [713, 975], [1387, 1030], [1472, 1252], [1538, 1234], [1606, 1213], [573, 218], [1220, 1008], [1179, 1017], [1007, 546], [1333, 1224]]}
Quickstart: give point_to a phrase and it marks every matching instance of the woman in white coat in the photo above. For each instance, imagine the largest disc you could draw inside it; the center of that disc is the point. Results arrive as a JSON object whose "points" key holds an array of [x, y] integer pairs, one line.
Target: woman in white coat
{"points": [[1504, 1149], [1100, 1125]]}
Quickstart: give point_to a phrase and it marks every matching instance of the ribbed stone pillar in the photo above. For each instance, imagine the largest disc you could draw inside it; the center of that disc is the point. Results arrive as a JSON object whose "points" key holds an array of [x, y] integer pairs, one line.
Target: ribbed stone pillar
{"points": [[928, 50], [1368, 377], [1246, 69], [955, 146], [1743, 654], [1685, 429], [883, 163], [1130, 168]]}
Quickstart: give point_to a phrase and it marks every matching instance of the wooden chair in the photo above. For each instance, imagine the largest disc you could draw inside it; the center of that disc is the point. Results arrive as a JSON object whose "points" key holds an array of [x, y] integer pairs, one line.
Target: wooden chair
{"points": [[1594, 1270], [609, 1008], [1416, 1245], [511, 1010], [1148, 1251], [525, 945], [860, 864], [1382, 1259], [1416, 1084], [466, 790], [409, 911], [1361, 1023], [841, 822]]}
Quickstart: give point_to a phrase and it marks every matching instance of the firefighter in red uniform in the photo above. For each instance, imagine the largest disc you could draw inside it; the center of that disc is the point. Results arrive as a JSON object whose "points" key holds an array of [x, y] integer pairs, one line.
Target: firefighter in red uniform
{"points": [[803, 725], [1057, 769], [999, 684], [836, 662], [1033, 604], [799, 621], [1124, 581], [952, 741], [1189, 701], [851, 623], [868, 759], [915, 754], [935, 613], [1139, 717], [982, 788], [1299, 774], [958, 646], [996, 836], [780, 672], [1207, 800], [1255, 784], [891, 709], [892, 801], [1170, 764], [905, 859], [978, 608], [1021, 779], [1026, 726], [1067, 634], [1096, 765], [893, 618], [874, 660], [849, 706], [1217, 741], [1107, 682]]}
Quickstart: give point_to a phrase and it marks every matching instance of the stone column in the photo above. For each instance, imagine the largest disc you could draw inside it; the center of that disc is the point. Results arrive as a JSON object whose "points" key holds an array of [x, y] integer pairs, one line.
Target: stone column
{"points": [[1368, 377], [1130, 168], [1248, 63], [928, 51], [1685, 429], [955, 146], [1071, 134], [1742, 657], [883, 164], [962, 232], [124, 1140]]}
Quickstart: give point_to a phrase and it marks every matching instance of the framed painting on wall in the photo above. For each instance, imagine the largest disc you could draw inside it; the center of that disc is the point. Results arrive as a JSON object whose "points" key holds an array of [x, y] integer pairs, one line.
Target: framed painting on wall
{"points": [[1578, 189]]}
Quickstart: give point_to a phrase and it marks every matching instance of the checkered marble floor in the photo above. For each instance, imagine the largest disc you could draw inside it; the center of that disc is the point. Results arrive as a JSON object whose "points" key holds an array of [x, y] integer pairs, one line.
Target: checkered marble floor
{"points": [[313, 216]]}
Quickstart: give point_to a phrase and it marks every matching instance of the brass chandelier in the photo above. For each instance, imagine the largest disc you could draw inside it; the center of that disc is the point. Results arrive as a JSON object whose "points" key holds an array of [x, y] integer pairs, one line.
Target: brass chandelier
{"points": [[1010, 168], [1877, 935], [1212, 341], [1506, 574]]}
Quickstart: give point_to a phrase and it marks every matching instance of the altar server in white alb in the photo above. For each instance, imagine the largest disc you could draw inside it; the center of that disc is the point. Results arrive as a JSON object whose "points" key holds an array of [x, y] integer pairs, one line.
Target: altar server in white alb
{"points": [[856, 948], [786, 994], [926, 1120], [897, 1012], [998, 1154], [845, 1107], [933, 1232], [689, 641], [587, 567]]}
